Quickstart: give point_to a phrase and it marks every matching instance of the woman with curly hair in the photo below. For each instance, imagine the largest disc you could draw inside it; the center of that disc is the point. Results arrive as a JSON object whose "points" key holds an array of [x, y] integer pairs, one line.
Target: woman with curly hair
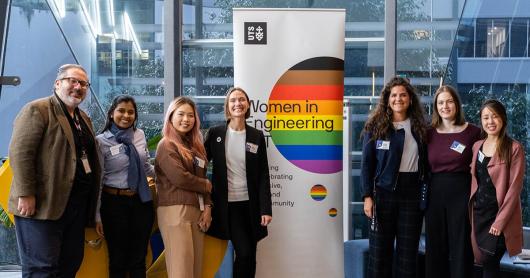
{"points": [[394, 162]]}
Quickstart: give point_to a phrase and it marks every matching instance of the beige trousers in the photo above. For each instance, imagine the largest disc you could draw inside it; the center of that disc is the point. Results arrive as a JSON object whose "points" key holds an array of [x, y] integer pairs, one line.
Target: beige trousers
{"points": [[183, 241]]}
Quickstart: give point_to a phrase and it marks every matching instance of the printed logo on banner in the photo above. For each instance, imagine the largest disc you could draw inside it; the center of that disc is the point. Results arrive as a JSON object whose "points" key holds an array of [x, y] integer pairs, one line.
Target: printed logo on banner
{"points": [[255, 32]]}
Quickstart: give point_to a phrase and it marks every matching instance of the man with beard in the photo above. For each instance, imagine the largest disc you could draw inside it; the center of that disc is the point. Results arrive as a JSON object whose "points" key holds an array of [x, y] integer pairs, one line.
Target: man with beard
{"points": [[56, 175]]}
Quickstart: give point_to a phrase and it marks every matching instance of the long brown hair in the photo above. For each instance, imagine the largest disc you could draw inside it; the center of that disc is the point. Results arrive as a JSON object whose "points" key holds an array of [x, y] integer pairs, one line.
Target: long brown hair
{"points": [[193, 145], [459, 115], [504, 142], [380, 121]]}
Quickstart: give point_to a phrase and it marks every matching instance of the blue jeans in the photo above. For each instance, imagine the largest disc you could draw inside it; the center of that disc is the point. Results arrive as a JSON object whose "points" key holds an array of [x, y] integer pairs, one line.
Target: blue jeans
{"points": [[52, 248]]}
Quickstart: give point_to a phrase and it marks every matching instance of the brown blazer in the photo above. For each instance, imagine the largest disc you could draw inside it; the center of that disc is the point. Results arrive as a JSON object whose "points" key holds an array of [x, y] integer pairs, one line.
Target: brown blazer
{"points": [[508, 185], [176, 184], [43, 158]]}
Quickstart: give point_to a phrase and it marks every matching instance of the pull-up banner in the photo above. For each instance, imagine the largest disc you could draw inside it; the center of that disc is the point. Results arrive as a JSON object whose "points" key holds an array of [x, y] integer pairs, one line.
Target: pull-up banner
{"points": [[291, 63]]}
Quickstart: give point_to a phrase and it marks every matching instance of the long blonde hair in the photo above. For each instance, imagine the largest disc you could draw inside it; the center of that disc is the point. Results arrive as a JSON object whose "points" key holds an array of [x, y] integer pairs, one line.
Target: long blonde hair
{"points": [[193, 145]]}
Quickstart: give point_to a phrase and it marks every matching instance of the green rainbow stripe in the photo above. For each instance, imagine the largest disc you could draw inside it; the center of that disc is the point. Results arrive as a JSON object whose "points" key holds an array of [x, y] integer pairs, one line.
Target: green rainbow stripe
{"points": [[307, 137]]}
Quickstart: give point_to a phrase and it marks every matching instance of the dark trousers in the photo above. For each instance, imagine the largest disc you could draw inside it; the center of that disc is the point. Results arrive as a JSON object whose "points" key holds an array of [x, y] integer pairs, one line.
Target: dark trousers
{"points": [[399, 219], [447, 227], [243, 240], [491, 265], [127, 223], [52, 248]]}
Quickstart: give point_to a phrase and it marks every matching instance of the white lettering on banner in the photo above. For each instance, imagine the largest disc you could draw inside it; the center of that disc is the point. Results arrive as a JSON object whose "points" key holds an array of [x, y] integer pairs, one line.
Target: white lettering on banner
{"points": [[250, 33]]}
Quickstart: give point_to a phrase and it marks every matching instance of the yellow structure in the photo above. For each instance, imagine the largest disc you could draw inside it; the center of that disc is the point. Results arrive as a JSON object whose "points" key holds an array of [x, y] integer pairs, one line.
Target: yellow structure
{"points": [[95, 262], [6, 175]]}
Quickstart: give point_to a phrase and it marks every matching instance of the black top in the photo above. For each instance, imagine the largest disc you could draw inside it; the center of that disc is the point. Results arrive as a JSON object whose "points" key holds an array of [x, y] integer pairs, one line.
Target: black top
{"points": [[85, 146], [486, 197], [485, 207]]}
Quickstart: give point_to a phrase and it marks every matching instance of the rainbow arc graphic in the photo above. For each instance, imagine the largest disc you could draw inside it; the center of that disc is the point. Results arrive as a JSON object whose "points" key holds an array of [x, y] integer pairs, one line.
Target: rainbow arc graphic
{"points": [[310, 133]]}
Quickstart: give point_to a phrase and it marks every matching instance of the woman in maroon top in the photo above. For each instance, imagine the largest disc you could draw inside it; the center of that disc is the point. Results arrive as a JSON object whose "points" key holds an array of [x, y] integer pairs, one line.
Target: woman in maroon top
{"points": [[448, 246]]}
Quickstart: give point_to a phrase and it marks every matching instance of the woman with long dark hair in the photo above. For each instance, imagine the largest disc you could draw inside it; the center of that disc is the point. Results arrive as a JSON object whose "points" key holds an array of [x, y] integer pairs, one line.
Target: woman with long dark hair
{"points": [[497, 170], [447, 230], [241, 185], [183, 191], [393, 164], [126, 215]]}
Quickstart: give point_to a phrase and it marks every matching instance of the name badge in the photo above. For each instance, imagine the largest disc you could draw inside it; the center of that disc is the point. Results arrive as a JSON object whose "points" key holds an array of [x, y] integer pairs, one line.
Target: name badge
{"points": [[481, 156], [253, 148], [201, 202], [86, 164], [200, 162], [382, 145], [458, 147], [114, 150]]}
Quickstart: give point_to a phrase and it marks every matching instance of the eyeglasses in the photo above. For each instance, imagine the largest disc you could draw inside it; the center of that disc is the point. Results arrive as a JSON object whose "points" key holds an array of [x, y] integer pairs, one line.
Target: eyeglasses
{"points": [[74, 82]]}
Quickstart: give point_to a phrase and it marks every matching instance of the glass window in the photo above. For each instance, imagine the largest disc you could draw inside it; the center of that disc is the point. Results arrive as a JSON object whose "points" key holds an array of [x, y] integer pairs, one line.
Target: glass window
{"points": [[497, 38], [207, 65], [120, 45], [425, 34], [518, 43], [481, 37], [207, 70], [465, 38], [492, 38], [118, 42]]}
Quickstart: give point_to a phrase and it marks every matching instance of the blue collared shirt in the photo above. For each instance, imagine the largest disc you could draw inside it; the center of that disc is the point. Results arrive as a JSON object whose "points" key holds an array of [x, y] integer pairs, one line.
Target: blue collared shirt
{"points": [[115, 162]]}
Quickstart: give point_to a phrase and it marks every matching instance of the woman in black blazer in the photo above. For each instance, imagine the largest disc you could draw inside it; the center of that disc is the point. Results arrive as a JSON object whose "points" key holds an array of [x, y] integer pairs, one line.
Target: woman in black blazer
{"points": [[241, 185]]}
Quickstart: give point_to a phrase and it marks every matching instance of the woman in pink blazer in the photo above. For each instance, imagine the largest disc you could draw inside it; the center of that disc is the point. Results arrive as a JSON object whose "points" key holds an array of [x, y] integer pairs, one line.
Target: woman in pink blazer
{"points": [[497, 170]]}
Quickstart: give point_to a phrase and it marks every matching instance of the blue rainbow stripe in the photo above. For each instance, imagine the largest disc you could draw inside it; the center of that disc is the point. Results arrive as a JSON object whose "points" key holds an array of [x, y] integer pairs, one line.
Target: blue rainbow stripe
{"points": [[311, 152]]}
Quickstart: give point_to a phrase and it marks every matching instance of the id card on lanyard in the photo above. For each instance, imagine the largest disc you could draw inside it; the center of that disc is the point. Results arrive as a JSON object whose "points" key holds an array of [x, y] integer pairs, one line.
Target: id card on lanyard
{"points": [[86, 164], [84, 156]]}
